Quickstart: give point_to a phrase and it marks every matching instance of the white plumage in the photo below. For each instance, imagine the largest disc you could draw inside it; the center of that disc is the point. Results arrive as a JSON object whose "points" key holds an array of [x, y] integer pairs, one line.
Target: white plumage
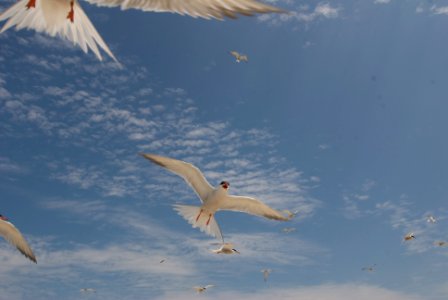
{"points": [[67, 19], [213, 199], [10, 233]]}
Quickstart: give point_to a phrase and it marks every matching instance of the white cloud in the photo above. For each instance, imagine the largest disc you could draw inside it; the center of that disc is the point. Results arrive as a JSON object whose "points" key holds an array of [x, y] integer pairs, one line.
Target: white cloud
{"points": [[8, 166], [325, 292], [303, 14], [382, 1], [441, 10]]}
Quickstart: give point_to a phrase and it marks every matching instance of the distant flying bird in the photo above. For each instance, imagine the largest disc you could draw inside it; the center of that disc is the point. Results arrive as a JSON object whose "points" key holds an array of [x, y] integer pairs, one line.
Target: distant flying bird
{"points": [[162, 261], [67, 19], [226, 248], [431, 219], [201, 289], [87, 290], [441, 243], [239, 57], [213, 199], [409, 236], [10, 233], [266, 273], [369, 268], [288, 229], [291, 214]]}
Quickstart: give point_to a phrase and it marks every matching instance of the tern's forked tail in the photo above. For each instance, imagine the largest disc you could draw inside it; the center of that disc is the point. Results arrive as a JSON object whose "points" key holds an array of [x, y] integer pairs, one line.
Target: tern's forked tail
{"points": [[199, 218]]}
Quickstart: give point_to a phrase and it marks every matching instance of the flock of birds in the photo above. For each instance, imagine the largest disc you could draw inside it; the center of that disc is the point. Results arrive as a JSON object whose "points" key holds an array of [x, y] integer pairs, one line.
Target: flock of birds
{"points": [[67, 19]]}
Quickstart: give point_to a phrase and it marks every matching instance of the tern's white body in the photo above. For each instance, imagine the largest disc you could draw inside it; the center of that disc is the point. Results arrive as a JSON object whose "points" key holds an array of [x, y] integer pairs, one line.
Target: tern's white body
{"points": [[213, 199], [239, 57], [431, 219], [409, 236], [266, 273], [10, 233], [201, 289], [226, 248]]}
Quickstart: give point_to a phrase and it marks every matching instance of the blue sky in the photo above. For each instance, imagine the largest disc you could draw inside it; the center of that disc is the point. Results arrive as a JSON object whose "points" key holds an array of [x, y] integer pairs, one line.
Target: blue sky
{"points": [[340, 114]]}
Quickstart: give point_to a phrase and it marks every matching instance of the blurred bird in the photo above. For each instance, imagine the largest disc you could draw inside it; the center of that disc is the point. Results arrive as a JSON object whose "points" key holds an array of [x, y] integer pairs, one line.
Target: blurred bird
{"points": [[409, 236], [431, 219], [162, 261], [67, 19], [239, 57], [201, 289], [369, 268], [266, 273], [289, 229], [291, 214], [213, 199], [87, 290], [441, 243], [226, 248], [10, 233]]}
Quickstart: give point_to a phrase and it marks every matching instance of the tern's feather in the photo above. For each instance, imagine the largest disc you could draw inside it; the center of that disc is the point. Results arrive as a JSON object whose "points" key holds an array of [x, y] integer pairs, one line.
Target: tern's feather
{"points": [[207, 9], [251, 206], [13, 235], [192, 175]]}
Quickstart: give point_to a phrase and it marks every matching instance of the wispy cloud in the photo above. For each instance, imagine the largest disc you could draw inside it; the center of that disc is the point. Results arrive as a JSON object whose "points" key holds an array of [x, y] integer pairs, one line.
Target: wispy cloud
{"points": [[325, 291], [304, 14]]}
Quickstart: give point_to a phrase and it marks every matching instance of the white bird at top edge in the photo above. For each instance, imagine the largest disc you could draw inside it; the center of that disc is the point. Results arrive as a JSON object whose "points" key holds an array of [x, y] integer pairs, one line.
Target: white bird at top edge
{"points": [[67, 19]]}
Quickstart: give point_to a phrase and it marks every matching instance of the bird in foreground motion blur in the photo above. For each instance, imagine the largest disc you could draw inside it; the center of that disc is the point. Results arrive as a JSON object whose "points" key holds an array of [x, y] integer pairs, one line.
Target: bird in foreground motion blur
{"points": [[67, 19], [201, 289], [213, 199], [226, 248], [239, 57], [10, 233]]}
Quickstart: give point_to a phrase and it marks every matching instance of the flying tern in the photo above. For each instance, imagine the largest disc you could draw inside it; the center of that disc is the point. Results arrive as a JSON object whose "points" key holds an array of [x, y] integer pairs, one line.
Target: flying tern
{"points": [[431, 219], [10, 233], [201, 289], [67, 19], [239, 57], [213, 199], [226, 248], [87, 290], [289, 229], [369, 268], [409, 236], [266, 273]]}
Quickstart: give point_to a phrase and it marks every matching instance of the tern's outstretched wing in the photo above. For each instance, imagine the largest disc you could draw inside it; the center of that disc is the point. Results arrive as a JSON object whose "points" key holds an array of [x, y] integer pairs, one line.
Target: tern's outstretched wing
{"points": [[192, 175], [13, 235], [217, 9], [251, 206]]}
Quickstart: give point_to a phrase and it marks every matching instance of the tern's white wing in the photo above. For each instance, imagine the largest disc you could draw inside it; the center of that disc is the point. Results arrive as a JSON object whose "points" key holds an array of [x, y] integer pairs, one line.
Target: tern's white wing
{"points": [[192, 175], [251, 206], [207, 9], [51, 17], [235, 54], [13, 235]]}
